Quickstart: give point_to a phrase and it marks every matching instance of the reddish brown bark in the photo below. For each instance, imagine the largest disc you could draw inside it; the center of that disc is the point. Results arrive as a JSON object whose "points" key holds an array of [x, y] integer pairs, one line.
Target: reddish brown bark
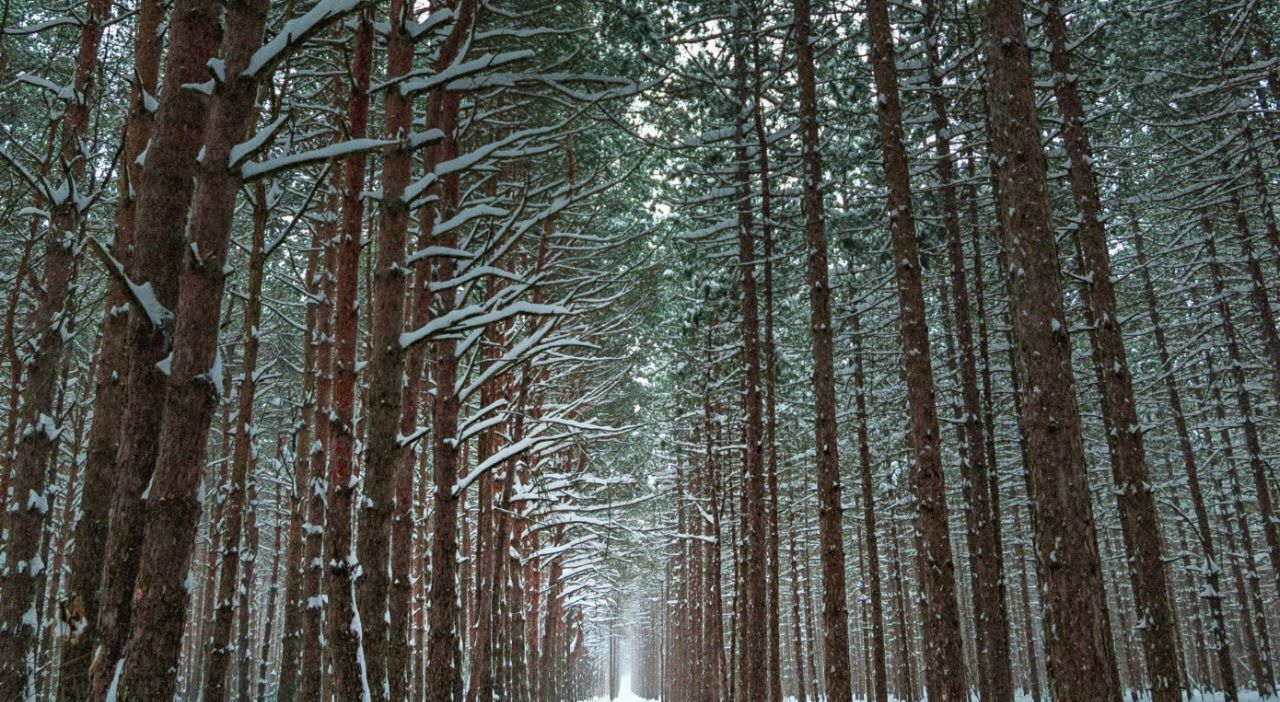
{"points": [[770, 374], [879, 679], [1077, 635], [383, 452], [944, 654], [38, 434], [989, 613], [235, 496], [195, 379], [752, 654], [1135, 500], [342, 639], [835, 610], [109, 398], [444, 674], [163, 199]]}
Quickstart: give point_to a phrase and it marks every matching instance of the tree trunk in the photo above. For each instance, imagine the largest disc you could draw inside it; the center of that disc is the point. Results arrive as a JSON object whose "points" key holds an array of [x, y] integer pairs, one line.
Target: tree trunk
{"points": [[82, 592], [195, 381], [164, 197], [982, 519], [24, 571], [752, 655], [944, 651], [383, 460], [342, 625], [1134, 497], [1077, 635], [1210, 568], [444, 673], [770, 376], [835, 611]]}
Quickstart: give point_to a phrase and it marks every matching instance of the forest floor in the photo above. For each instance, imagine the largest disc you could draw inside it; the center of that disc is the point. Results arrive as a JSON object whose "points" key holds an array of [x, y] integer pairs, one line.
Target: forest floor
{"points": [[626, 695]]}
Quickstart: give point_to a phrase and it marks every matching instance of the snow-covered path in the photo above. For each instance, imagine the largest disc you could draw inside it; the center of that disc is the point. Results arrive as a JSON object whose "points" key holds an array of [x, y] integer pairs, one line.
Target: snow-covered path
{"points": [[624, 693]]}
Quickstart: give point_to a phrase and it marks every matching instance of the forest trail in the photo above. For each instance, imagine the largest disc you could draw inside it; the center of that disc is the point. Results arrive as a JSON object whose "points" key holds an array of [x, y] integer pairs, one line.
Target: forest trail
{"points": [[625, 693]]}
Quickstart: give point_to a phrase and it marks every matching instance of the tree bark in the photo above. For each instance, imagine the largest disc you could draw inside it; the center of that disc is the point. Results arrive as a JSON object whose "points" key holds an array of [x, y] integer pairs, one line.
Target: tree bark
{"points": [[383, 460], [1135, 500], [109, 395], [752, 655], [444, 674], [24, 571], [234, 515], [944, 652], [770, 376], [164, 198], [982, 519], [342, 625], [1078, 642], [195, 381], [835, 610]]}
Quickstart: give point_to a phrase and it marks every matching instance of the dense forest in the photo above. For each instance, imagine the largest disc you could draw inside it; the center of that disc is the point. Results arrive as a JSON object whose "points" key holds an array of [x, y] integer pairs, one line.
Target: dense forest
{"points": [[697, 351]]}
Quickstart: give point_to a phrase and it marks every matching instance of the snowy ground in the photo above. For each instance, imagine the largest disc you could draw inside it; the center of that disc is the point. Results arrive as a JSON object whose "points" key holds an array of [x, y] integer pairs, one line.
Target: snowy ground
{"points": [[626, 695]]}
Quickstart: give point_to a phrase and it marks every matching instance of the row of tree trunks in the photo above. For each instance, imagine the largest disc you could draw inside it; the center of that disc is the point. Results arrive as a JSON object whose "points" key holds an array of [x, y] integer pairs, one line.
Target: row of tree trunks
{"points": [[1128, 453], [295, 605], [234, 518], [383, 461], [323, 290], [875, 604], [977, 470], [90, 537], [164, 197], [444, 673], [195, 378], [1209, 567], [35, 423]]}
